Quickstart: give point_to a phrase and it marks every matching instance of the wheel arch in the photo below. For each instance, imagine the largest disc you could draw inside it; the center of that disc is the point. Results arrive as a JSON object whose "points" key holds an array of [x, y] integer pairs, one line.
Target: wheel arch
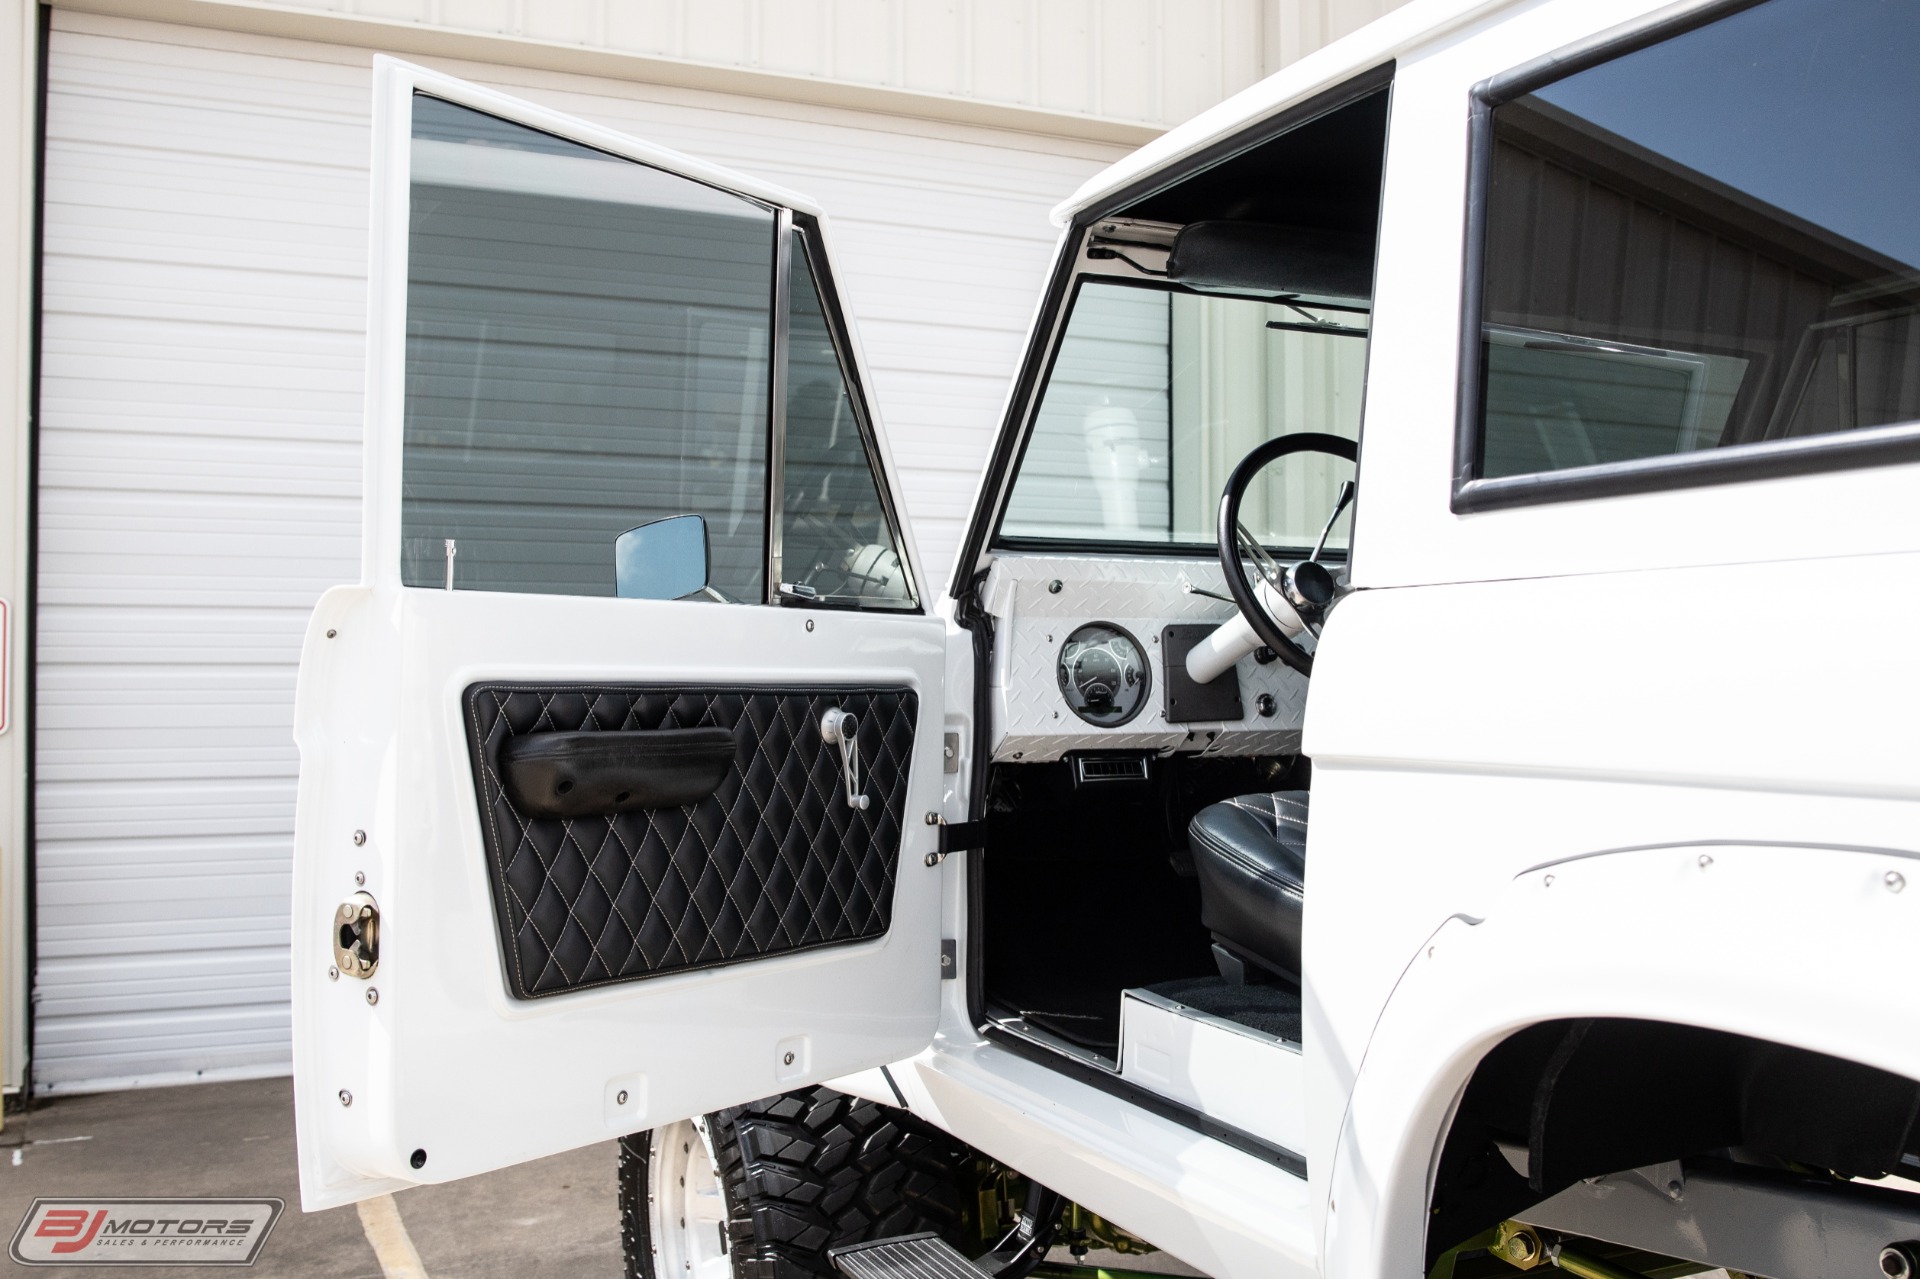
{"points": [[1773, 943]]}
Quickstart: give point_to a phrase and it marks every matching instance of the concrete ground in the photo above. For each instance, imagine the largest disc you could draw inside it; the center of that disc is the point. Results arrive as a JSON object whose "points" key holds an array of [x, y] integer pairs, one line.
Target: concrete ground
{"points": [[556, 1218]]}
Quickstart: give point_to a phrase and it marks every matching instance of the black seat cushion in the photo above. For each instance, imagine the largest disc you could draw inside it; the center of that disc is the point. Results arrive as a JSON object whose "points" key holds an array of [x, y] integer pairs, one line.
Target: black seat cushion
{"points": [[1251, 853]]}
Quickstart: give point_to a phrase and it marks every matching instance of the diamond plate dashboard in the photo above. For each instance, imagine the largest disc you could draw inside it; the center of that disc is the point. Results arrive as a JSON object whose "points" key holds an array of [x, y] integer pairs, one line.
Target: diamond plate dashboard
{"points": [[1141, 595]]}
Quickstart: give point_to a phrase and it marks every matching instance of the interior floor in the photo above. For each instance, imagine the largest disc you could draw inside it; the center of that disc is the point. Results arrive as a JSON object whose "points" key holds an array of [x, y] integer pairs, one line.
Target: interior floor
{"points": [[1269, 1010], [1087, 890]]}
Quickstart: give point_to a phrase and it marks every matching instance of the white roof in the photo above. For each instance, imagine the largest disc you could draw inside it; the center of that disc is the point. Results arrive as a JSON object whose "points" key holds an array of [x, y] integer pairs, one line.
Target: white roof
{"points": [[1377, 42]]}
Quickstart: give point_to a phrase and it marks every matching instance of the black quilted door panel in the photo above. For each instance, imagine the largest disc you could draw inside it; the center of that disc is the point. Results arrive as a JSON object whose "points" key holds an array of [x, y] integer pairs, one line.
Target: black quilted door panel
{"points": [[774, 861]]}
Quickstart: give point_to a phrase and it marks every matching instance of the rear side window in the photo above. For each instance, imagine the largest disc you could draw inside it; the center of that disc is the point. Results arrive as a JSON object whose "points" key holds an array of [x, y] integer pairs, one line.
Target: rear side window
{"points": [[1706, 243]]}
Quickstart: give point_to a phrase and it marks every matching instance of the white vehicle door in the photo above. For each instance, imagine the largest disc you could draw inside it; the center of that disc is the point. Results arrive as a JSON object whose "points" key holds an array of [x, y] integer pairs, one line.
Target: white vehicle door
{"points": [[614, 763]]}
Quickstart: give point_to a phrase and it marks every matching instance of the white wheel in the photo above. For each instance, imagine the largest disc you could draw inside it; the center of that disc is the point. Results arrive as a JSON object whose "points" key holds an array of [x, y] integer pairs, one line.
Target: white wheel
{"points": [[686, 1205]]}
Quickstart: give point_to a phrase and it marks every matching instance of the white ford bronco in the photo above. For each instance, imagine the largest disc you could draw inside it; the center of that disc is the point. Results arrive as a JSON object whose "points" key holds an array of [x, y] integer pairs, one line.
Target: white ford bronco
{"points": [[1423, 468]]}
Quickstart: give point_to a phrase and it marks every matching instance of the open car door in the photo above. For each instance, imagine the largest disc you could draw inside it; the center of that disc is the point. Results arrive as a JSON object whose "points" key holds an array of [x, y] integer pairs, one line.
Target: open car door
{"points": [[612, 761]]}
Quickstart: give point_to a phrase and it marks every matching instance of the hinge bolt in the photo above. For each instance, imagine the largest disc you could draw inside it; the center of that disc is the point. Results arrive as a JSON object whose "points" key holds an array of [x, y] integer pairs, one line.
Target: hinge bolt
{"points": [[933, 819]]}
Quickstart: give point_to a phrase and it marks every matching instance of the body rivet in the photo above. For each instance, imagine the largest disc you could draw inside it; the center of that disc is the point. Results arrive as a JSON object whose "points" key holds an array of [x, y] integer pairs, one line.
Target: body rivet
{"points": [[359, 838], [933, 819], [1895, 881], [360, 878], [1705, 861], [346, 1098], [809, 623], [331, 634], [787, 1060], [1547, 882], [333, 973], [373, 996], [620, 1098]]}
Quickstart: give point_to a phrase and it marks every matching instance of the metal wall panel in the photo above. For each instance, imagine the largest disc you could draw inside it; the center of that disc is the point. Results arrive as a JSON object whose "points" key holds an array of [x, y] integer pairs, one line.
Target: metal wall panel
{"points": [[204, 320], [1149, 61]]}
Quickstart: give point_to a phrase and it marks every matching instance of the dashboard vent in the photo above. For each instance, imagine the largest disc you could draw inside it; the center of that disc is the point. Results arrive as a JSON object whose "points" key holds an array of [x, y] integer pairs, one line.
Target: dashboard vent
{"points": [[1109, 768]]}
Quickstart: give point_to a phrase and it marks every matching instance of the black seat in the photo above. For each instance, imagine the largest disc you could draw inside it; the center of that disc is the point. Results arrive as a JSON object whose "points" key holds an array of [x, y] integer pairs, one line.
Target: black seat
{"points": [[1251, 853]]}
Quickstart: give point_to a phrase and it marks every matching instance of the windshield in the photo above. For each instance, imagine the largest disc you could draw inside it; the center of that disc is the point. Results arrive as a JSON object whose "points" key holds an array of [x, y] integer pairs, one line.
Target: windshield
{"points": [[1155, 395]]}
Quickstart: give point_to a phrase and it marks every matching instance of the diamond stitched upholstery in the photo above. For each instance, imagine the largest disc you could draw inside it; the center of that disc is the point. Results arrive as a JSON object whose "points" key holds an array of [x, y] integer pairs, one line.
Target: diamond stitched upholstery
{"points": [[774, 861]]}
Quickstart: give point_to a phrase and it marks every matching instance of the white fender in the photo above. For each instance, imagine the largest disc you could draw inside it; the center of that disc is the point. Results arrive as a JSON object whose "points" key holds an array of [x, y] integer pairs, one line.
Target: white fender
{"points": [[1800, 945]]}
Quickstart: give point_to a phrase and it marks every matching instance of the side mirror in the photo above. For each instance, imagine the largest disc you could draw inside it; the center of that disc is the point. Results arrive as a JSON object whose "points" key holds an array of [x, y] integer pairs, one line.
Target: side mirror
{"points": [[664, 560]]}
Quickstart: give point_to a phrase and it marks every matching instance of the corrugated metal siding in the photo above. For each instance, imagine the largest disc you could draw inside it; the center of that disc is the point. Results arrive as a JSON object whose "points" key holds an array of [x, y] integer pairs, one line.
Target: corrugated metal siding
{"points": [[1294, 28], [203, 334], [1153, 61]]}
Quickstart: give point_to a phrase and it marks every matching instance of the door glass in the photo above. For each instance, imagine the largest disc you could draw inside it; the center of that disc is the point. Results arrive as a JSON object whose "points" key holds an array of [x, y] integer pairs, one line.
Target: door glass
{"points": [[837, 542], [587, 352], [1707, 242], [1155, 396]]}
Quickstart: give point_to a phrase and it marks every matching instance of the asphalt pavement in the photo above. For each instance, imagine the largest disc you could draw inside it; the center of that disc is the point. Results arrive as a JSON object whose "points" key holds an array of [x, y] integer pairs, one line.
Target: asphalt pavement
{"points": [[556, 1218]]}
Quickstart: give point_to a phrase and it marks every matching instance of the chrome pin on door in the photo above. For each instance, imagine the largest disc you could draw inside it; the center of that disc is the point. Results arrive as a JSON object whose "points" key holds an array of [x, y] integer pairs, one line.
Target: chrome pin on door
{"points": [[839, 727]]}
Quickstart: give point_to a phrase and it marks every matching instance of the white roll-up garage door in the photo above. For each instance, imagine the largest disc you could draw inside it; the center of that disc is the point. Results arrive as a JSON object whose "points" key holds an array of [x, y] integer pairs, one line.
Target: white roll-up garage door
{"points": [[204, 297]]}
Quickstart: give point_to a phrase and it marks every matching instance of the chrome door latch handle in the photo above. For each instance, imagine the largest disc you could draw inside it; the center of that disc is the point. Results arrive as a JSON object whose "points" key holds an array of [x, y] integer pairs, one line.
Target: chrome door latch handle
{"points": [[838, 727]]}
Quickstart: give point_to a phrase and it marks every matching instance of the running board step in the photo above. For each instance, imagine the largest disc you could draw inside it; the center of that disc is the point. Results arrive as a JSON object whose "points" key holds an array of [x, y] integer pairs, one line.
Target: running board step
{"points": [[923, 1256]]}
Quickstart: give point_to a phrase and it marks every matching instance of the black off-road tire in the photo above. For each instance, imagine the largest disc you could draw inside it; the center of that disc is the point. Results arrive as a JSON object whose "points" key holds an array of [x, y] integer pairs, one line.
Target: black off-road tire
{"points": [[807, 1171], [636, 1235]]}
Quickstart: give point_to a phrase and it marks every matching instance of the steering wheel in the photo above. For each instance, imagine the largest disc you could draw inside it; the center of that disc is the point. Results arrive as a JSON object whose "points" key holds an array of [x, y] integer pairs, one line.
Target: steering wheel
{"points": [[1307, 587]]}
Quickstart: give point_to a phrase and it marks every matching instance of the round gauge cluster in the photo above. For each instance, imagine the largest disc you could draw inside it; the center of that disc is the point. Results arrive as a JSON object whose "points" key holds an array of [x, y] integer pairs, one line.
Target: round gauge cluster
{"points": [[1104, 674]]}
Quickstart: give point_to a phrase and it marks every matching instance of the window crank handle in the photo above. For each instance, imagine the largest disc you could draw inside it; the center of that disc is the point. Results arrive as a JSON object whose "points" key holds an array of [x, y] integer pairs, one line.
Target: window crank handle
{"points": [[837, 727]]}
